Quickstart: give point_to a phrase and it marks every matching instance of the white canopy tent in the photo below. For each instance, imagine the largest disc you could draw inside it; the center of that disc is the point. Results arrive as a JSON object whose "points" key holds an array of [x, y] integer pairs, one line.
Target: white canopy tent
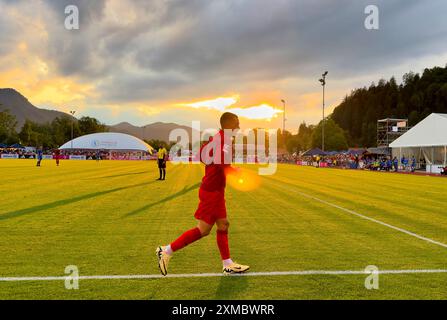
{"points": [[108, 141], [426, 140]]}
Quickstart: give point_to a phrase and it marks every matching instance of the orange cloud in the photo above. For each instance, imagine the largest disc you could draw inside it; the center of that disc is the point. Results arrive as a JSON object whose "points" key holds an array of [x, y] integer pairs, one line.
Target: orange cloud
{"points": [[32, 77], [260, 112], [220, 103], [263, 111]]}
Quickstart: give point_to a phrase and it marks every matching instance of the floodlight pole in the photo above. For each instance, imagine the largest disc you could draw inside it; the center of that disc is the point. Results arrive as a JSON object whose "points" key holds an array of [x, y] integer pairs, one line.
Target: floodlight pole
{"points": [[72, 122], [323, 83], [284, 116], [284, 123]]}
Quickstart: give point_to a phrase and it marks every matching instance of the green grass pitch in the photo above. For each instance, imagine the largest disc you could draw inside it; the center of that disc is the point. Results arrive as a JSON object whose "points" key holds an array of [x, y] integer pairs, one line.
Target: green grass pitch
{"points": [[107, 218]]}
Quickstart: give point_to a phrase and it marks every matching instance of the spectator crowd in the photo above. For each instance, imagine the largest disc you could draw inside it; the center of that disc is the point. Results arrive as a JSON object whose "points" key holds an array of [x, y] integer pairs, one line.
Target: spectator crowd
{"points": [[65, 154], [365, 162], [343, 160]]}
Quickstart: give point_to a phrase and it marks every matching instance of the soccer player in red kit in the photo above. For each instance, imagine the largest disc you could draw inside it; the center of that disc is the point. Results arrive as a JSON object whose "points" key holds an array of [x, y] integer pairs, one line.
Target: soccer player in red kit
{"points": [[211, 210], [57, 156]]}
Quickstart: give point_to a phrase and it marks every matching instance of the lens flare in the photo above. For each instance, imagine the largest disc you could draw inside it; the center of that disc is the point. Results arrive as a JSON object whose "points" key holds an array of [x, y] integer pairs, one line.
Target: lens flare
{"points": [[243, 180]]}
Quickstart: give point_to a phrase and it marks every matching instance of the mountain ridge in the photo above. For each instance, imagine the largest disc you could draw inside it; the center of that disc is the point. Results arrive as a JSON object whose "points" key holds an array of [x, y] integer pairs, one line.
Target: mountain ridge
{"points": [[19, 106]]}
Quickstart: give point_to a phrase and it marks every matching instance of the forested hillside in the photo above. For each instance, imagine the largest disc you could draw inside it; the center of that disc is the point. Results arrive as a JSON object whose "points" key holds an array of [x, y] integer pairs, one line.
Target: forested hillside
{"points": [[415, 98]]}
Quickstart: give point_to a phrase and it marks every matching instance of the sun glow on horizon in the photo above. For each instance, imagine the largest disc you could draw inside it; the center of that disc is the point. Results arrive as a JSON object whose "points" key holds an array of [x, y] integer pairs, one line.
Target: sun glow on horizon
{"points": [[263, 111], [220, 103]]}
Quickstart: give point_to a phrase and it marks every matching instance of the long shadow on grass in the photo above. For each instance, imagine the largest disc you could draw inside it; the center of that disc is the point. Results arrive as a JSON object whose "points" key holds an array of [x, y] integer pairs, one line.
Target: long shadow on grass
{"points": [[229, 287], [171, 197], [120, 175], [59, 203]]}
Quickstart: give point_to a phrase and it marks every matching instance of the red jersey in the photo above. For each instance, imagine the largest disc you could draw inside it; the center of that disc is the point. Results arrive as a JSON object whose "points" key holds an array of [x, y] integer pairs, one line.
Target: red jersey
{"points": [[217, 164]]}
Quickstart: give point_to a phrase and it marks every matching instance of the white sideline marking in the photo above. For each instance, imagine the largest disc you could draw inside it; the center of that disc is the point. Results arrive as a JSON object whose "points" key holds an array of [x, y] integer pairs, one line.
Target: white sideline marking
{"points": [[202, 275], [371, 219]]}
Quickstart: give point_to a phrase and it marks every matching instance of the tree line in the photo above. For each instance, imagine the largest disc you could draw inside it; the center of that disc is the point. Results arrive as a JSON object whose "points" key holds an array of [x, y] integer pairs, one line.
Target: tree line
{"points": [[56, 133], [48, 135], [414, 99], [352, 124], [310, 136]]}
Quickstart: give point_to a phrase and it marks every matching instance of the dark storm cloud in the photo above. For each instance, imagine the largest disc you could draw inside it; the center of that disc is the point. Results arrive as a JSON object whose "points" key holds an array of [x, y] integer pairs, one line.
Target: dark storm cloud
{"points": [[140, 86], [297, 37], [7, 36], [76, 52], [89, 10], [173, 45]]}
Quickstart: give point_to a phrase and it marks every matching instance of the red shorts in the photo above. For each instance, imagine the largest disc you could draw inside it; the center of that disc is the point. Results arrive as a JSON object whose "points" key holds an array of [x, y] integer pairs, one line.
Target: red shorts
{"points": [[211, 206]]}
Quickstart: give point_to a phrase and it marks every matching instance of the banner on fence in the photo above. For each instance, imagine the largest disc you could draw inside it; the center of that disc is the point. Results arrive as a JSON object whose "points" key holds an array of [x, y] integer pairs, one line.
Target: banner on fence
{"points": [[76, 157], [10, 156]]}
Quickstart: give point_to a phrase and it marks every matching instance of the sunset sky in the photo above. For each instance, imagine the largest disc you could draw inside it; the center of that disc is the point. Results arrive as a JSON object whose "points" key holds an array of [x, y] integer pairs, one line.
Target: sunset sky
{"points": [[179, 61]]}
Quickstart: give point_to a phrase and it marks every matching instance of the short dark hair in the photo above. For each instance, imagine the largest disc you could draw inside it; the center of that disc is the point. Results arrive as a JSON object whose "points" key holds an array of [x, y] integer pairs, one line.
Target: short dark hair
{"points": [[227, 117]]}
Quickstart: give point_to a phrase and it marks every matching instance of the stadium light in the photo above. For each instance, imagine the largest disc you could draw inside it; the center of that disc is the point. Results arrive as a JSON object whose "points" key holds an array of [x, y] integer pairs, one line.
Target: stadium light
{"points": [[72, 112], [284, 123], [323, 83], [284, 116]]}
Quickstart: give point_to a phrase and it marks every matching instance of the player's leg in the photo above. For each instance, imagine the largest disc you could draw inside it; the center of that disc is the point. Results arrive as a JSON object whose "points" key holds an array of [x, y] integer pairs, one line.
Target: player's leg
{"points": [[202, 230], [159, 169], [229, 266], [164, 253], [222, 240], [163, 169]]}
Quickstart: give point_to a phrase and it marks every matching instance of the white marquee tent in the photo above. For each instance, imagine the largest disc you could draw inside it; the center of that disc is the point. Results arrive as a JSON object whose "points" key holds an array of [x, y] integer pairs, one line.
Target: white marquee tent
{"points": [[427, 140], [109, 141]]}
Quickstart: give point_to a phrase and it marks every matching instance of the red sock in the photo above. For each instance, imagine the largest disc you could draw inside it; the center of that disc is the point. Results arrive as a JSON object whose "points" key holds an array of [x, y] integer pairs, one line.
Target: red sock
{"points": [[222, 243], [186, 238]]}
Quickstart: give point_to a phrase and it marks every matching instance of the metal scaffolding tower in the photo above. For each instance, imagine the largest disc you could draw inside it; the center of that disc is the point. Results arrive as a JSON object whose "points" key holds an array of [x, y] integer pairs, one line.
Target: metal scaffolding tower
{"points": [[389, 130]]}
